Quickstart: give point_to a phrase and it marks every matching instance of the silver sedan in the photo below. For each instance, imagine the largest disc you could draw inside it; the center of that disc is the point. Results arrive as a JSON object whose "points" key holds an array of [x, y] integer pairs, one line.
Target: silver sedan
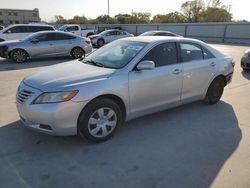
{"points": [[123, 80], [45, 44]]}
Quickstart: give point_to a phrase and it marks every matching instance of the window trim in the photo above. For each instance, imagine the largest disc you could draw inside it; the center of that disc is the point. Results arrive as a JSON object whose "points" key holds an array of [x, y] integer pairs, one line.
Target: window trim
{"points": [[177, 54]]}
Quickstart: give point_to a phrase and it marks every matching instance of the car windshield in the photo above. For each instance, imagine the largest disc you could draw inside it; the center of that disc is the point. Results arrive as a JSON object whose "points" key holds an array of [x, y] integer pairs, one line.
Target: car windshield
{"points": [[62, 28], [29, 37], [148, 33], [116, 54]]}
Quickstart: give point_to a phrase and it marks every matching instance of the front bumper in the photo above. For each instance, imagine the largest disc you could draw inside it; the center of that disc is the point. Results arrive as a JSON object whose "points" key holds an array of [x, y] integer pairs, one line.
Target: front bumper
{"points": [[4, 51], [58, 119]]}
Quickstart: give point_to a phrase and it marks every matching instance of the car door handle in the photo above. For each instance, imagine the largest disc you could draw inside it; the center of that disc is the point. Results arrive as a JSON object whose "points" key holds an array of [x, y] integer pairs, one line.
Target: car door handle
{"points": [[213, 64], [177, 71]]}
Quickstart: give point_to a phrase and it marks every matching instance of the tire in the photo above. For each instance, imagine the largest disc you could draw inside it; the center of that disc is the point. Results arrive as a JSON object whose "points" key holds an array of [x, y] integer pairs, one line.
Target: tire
{"points": [[19, 56], [215, 91], [100, 42], [94, 120], [77, 53]]}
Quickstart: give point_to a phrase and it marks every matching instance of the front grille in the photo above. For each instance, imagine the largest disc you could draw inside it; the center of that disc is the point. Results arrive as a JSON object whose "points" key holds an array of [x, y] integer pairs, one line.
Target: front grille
{"points": [[23, 95]]}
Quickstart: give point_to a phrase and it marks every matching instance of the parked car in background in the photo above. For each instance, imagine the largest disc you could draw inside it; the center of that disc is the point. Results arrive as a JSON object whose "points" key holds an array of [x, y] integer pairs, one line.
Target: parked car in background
{"points": [[20, 31], [159, 33], [108, 36], [1, 27], [104, 28], [46, 44], [245, 60], [123, 80], [77, 30]]}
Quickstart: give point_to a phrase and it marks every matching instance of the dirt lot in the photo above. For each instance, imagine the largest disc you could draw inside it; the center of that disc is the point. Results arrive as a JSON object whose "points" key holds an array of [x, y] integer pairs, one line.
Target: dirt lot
{"points": [[190, 146]]}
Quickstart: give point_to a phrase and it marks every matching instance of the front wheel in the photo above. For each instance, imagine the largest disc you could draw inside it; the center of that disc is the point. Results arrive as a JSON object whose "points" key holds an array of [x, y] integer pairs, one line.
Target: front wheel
{"points": [[215, 91], [19, 56], [99, 120], [100, 42], [77, 53]]}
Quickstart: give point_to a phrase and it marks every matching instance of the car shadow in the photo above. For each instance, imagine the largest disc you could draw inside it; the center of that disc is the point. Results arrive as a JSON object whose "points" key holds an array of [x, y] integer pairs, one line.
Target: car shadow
{"points": [[246, 74], [9, 65], [183, 147]]}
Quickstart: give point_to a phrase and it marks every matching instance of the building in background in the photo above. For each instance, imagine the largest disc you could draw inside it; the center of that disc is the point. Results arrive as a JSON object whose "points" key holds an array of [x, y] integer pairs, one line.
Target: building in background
{"points": [[18, 16]]}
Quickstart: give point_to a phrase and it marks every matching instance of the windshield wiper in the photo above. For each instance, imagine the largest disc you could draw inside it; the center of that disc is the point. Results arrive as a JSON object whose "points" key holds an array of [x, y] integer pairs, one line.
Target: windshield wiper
{"points": [[93, 63]]}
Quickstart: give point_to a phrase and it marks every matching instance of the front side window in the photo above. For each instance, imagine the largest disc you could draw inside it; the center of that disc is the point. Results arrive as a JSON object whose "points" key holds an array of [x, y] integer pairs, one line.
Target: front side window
{"points": [[14, 29], [72, 28], [163, 54], [116, 54], [190, 52]]}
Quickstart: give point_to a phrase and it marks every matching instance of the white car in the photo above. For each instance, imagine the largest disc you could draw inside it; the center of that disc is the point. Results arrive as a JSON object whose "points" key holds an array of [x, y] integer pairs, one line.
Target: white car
{"points": [[108, 36], [20, 31], [77, 30]]}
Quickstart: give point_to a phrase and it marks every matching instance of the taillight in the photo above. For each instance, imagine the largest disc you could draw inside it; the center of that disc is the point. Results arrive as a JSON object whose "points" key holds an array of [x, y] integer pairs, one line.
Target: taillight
{"points": [[233, 63], [88, 41]]}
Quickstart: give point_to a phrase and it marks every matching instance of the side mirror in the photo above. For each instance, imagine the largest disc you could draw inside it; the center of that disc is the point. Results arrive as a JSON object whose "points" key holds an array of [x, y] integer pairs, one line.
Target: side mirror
{"points": [[9, 31], [145, 65], [34, 40]]}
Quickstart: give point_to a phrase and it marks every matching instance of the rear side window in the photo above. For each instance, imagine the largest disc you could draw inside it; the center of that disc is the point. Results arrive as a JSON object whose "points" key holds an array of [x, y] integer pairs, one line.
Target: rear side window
{"points": [[207, 54], [163, 54], [190, 52], [64, 37], [164, 34]]}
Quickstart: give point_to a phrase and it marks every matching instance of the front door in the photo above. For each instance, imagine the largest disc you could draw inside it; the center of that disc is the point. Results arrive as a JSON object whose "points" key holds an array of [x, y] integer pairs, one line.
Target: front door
{"points": [[44, 46], [160, 88]]}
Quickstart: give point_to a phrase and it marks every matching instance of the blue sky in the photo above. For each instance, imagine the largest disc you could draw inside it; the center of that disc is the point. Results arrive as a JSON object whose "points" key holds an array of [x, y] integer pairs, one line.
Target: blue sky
{"points": [[93, 8]]}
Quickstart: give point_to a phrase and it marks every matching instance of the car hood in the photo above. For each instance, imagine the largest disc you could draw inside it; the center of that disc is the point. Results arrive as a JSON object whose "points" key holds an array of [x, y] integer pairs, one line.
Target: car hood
{"points": [[10, 42], [93, 36], [66, 76]]}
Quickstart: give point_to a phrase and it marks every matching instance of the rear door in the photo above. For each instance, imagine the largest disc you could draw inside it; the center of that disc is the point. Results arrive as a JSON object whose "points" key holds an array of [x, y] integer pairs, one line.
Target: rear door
{"points": [[64, 44], [151, 90], [45, 46], [199, 67]]}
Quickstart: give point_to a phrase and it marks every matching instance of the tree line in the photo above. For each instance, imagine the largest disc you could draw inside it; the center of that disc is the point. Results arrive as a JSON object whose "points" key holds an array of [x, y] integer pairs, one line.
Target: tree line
{"points": [[191, 11]]}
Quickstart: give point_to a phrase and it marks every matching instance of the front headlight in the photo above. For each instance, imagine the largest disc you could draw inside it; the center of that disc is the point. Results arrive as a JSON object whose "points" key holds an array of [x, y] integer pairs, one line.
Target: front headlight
{"points": [[55, 97]]}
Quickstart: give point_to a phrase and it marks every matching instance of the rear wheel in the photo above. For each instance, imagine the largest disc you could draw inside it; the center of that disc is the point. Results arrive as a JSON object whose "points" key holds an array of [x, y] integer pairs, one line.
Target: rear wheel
{"points": [[19, 56], [77, 53], [215, 91], [99, 120]]}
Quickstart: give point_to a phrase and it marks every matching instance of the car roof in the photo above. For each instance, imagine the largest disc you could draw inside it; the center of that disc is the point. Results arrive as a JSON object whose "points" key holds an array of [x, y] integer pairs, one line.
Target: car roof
{"points": [[62, 32], [152, 39], [35, 24], [159, 31]]}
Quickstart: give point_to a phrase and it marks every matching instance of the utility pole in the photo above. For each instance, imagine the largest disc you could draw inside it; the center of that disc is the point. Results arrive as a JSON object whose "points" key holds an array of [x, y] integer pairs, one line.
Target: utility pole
{"points": [[108, 7]]}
